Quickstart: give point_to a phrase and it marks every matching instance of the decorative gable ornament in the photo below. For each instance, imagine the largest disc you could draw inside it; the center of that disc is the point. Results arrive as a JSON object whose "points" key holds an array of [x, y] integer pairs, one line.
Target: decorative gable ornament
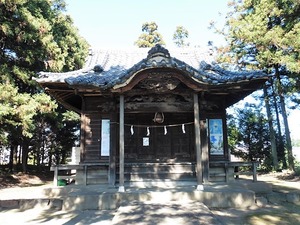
{"points": [[158, 50]]}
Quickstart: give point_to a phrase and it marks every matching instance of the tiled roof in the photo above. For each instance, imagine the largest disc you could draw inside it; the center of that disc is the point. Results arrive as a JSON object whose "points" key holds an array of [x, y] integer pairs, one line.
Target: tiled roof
{"points": [[114, 67]]}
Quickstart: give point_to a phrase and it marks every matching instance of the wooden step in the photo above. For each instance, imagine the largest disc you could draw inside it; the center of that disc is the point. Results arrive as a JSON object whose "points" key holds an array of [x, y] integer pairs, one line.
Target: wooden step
{"points": [[158, 171]]}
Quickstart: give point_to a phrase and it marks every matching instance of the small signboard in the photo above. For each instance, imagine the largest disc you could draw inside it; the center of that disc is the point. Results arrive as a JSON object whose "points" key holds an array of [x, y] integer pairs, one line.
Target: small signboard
{"points": [[145, 141]]}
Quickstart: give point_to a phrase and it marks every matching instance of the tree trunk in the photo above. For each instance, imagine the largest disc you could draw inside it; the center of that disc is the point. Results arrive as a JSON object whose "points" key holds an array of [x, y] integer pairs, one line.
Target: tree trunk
{"points": [[272, 133], [42, 152], [280, 147], [291, 164], [24, 157], [19, 155], [288, 136], [50, 158], [13, 158], [15, 161], [38, 158]]}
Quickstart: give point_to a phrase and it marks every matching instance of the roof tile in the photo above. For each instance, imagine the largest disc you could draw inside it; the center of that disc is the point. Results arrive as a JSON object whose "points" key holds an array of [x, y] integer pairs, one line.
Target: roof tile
{"points": [[119, 65]]}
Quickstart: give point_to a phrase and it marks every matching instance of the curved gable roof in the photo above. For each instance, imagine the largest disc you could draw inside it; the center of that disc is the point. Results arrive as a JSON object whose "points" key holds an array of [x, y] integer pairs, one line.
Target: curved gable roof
{"points": [[114, 69]]}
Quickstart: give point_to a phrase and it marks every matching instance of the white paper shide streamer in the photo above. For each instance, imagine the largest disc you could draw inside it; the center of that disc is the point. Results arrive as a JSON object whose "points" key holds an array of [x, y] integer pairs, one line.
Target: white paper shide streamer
{"points": [[148, 131], [165, 129], [183, 128], [131, 130]]}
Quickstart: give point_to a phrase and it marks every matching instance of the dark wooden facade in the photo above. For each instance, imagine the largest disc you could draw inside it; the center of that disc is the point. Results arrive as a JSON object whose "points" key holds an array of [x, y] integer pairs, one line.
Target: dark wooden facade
{"points": [[124, 100]]}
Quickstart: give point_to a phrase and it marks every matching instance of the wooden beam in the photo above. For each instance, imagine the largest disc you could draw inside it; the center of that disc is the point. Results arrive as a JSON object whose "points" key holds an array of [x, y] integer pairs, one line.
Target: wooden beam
{"points": [[159, 107], [198, 143], [121, 147]]}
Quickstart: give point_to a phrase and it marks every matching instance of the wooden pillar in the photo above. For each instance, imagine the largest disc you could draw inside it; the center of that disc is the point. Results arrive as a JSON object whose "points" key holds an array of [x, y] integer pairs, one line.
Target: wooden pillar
{"points": [[198, 143], [82, 131], [55, 179], [204, 147], [113, 150], [254, 170], [83, 137], [121, 147]]}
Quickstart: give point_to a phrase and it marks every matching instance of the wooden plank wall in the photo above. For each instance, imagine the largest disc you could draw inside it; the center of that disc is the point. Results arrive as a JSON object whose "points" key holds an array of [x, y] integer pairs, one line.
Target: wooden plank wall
{"points": [[92, 137], [96, 108]]}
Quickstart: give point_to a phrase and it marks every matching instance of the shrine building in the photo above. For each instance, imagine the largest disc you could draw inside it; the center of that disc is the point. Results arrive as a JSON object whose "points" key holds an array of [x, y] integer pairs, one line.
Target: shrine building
{"points": [[152, 115]]}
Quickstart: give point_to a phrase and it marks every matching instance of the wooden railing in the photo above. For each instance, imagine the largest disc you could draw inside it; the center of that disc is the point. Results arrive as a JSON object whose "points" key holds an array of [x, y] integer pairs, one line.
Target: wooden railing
{"points": [[70, 170], [236, 166], [69, 174]]}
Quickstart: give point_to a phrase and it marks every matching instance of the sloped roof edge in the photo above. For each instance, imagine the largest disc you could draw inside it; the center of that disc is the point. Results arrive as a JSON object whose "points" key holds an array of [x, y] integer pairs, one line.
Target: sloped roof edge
{"points": [[117, 76]]}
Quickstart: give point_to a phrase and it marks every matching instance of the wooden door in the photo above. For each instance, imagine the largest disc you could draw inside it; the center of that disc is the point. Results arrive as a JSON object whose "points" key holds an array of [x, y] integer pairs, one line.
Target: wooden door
{"points": [[149, 141], [163, 143]]}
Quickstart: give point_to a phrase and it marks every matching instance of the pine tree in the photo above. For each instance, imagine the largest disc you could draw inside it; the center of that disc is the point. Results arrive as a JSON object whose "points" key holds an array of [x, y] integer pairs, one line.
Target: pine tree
{"points": [[179, 37], [249, 135], [150, 36], [264, 34], [35, 36]]}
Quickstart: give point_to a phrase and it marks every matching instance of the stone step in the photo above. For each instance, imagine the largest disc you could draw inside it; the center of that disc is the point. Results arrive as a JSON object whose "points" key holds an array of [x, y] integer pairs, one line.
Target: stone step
{"points": [[25, 204], [230, 198], [80, 197]]}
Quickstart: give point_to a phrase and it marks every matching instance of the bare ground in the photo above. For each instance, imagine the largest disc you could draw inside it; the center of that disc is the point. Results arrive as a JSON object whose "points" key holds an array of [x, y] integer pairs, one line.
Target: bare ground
{"points": [[20, 179]]}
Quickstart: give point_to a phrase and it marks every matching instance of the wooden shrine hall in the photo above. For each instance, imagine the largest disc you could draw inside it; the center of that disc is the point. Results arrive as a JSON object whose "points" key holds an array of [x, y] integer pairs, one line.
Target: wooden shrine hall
{"points": [[152, 115]]}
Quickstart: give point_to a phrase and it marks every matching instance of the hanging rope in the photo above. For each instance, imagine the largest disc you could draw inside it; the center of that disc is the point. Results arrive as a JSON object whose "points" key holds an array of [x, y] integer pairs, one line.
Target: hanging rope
{"points": [[154, 126]]}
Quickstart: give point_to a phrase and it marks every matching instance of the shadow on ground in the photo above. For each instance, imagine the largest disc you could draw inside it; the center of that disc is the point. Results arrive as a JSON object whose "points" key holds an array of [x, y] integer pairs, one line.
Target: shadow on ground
{"points": [[284, 214]]}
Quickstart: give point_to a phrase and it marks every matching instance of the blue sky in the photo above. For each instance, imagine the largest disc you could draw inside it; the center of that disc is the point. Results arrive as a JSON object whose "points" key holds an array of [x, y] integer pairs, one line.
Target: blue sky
{"points": [[118, 23]]}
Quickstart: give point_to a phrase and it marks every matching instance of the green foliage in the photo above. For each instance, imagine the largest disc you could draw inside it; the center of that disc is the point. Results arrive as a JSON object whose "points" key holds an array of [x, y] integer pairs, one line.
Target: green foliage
{"points": [[264, 34], [180, 35], [150, 37], [248, 135], [19, 109], [233, 133], [60, 133], [35, 36], [265, 31]]}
